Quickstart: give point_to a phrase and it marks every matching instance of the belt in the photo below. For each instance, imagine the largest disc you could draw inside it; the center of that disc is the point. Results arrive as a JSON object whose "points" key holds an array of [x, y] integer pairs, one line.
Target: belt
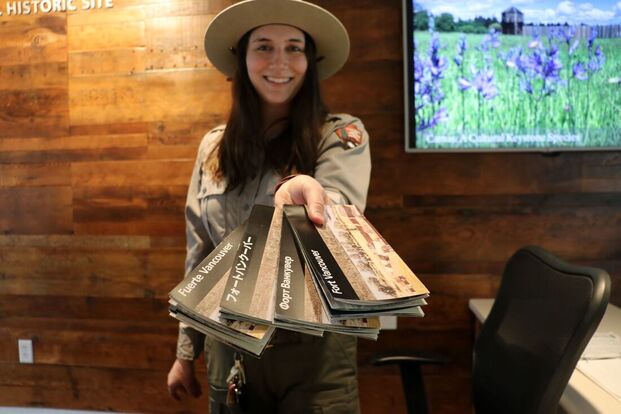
{"points": [[287, 337]]}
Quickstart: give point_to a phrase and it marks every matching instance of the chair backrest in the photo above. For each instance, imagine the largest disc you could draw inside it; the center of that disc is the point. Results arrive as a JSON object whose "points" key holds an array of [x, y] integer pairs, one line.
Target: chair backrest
{"points": [[543, 317]]}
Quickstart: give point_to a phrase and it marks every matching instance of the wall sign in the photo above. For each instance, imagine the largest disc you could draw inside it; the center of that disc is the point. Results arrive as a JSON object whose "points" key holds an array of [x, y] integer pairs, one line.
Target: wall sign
{"points": [[31, 7]]}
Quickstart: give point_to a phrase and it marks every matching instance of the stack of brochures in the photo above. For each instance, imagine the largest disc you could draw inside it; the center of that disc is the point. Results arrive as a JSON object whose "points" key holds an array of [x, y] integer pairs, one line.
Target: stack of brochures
{"points": [[280, 270]]}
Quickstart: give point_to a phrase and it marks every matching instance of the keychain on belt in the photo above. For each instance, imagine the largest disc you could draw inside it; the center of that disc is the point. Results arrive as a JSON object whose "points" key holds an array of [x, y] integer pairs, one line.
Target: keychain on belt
{"points": [[235, 382]]}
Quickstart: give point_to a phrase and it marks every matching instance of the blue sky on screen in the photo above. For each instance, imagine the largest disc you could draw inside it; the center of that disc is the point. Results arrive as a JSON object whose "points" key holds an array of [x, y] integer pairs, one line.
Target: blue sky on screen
{"points": [[596, 12]]}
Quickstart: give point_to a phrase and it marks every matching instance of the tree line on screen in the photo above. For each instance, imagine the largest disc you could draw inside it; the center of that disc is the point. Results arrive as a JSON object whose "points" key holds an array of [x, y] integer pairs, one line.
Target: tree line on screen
{"points": [[445, 22]]}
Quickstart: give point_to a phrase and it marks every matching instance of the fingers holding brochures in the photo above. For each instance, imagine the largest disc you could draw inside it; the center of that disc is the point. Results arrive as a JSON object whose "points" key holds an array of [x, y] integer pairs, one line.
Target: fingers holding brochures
{"points": [[303, 190]]}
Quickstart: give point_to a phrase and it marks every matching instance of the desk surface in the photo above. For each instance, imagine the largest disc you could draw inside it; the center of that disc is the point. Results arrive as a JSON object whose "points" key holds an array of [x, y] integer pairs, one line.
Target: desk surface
{"points": [[582, 395]]}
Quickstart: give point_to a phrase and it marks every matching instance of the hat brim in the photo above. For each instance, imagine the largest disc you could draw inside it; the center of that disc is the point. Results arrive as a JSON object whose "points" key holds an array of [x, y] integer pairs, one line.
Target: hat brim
{"points": [[328, 33]]}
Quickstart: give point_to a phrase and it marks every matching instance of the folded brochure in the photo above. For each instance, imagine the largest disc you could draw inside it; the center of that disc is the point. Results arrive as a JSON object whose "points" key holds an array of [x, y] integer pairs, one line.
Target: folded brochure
{"points": [[196, 300], [356, 270], [298, 305]]}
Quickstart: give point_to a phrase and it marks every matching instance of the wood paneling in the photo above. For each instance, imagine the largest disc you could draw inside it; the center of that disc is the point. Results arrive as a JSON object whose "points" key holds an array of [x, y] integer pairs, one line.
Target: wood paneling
{"points": [[35, 210], [89, 272], [33, 76], [147, 97], [34, 112], [106, 62], [34, 175], [115, 35], [33, 39], [108, 389], [99, 308], [92, 343], [101, 114]]}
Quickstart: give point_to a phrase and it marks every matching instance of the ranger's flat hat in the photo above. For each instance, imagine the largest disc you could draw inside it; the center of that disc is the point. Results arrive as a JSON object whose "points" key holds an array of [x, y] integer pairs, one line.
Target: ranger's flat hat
{"points": [[328, 33]]}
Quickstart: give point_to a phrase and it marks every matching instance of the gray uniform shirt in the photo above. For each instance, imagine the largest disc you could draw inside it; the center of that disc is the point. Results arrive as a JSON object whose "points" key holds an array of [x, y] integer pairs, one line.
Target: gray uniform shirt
{"points": [[343, 169]]}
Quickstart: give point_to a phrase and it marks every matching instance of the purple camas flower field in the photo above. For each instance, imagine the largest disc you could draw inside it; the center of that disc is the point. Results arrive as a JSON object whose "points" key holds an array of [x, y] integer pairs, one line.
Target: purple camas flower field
{"points": [[504, 91]]}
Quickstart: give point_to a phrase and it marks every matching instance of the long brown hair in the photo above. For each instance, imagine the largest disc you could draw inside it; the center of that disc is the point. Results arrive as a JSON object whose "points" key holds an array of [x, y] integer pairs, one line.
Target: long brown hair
{"points": [[244, 152]]}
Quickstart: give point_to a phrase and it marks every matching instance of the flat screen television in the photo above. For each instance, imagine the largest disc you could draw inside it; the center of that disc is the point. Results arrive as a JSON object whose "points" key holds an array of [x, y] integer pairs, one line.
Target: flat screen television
{"points": [[542, 77]]}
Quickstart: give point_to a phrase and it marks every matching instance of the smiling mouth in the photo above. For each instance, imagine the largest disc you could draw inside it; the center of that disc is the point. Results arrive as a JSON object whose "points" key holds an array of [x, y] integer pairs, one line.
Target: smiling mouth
{"points": [[276, 80]]}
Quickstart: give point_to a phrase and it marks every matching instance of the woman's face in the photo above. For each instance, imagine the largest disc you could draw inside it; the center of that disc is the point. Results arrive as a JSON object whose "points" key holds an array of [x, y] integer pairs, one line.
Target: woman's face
{"points": [[276, 62]]}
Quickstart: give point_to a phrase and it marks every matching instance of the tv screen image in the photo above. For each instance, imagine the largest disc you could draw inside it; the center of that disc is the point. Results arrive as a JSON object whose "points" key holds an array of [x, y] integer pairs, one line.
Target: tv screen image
{"points": [[542, 77]]}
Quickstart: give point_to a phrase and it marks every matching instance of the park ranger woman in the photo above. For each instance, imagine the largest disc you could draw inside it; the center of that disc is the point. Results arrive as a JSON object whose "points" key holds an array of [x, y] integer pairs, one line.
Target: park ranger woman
{"points": [[280, 145]]}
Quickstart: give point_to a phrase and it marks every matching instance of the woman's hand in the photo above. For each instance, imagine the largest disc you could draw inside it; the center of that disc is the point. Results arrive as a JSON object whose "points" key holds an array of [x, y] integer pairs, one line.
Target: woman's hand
{"points": [[182, 379], [303, 189]]}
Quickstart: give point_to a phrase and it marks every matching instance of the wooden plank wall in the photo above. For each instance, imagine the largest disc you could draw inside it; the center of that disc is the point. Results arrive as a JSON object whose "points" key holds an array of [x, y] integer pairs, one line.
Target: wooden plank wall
{"points": [[101, 112]]}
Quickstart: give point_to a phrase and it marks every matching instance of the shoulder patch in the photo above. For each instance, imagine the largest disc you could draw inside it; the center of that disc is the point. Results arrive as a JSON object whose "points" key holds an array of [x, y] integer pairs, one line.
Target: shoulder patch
{"points": [[350, 135]]}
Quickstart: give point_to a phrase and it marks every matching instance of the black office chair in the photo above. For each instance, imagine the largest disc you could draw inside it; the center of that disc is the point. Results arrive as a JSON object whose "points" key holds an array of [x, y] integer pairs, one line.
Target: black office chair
{"points": [[543, 317]]}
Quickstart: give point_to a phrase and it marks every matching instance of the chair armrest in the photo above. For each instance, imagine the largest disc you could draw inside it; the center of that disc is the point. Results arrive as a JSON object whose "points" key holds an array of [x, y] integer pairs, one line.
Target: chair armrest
{"points": [[410, 362], [408, 357]]}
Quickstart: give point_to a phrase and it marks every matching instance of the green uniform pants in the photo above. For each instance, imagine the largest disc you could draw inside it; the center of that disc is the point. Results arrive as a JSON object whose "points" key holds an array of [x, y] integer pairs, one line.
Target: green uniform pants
{"points": [[297, 374]]}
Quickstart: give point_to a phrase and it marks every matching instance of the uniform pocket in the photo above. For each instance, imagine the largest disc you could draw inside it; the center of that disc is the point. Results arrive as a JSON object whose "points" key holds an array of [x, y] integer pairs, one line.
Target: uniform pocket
{"points": [[211, 200], [217, 402], [348, 346], [219, 363]]}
